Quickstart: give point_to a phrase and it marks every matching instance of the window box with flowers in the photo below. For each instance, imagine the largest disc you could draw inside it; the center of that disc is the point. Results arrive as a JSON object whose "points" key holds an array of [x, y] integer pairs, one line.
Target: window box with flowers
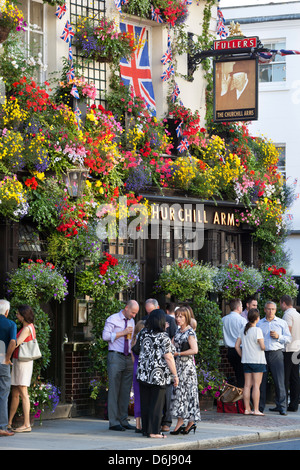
{"points": [[101, 40], [172, 12]]}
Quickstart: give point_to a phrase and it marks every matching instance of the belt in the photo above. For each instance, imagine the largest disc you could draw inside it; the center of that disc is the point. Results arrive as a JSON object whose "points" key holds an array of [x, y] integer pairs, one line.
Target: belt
{"points": [[118, 352]]}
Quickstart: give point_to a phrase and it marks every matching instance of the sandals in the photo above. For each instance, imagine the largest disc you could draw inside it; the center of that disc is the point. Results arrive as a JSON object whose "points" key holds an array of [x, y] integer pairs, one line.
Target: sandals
{"points": [[28, 429], [157, 436]]}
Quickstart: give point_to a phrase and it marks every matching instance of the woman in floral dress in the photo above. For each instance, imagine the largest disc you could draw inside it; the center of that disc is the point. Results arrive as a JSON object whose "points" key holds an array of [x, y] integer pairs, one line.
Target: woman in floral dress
{"points": [[185, 399]]}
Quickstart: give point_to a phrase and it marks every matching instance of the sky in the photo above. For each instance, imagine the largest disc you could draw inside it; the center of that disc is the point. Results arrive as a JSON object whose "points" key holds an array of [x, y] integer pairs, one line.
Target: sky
{"points": [[237, 3]]}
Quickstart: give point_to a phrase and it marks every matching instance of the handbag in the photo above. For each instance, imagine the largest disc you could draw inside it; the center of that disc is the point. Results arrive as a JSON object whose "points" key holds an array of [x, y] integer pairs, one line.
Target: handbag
{"points": [[230, 394], [29, 350]]}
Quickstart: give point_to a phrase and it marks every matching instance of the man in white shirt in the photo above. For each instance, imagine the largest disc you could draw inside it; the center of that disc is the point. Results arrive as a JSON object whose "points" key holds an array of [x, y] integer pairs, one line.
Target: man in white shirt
{"points": [[232, 325], [291, 366]]}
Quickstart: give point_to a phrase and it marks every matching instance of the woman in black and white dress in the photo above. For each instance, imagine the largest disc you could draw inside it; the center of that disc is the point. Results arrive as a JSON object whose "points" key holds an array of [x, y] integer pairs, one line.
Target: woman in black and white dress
{"points": [[185, 399], [156, 368]]}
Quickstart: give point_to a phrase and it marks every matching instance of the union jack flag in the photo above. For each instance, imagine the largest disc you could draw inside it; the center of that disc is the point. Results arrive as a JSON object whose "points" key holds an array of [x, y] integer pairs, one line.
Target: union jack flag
{"points": [[221, 31], [179, 130], [70, 52], [156, 15], [61, 10], [183, 145], [118, 5], [136, 71], [167, 57], [175, 93], [167, 73], [74, 92], [68, 32], [71, 74]]}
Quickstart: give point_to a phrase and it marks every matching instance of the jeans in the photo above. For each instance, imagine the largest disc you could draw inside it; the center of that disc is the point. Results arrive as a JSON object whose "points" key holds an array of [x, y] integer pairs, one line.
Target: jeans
{"points": [[4, 393]]}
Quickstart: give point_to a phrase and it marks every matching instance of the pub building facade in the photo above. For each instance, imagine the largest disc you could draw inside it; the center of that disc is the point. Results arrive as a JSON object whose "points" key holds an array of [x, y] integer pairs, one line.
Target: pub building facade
{"points": [[220, 237]]}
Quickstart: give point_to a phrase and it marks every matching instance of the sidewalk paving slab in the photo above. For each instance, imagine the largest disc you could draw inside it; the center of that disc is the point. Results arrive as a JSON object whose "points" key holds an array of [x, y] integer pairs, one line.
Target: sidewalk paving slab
{"points": [[214, 430]]}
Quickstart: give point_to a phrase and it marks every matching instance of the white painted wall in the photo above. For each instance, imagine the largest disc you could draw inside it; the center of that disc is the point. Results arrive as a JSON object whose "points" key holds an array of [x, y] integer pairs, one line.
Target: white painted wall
{"points": [[279, 102]]}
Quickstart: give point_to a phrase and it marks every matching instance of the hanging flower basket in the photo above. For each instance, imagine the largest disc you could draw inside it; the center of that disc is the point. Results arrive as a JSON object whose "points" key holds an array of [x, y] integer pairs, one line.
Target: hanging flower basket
{"points": [[102, 41], [4, 32]]}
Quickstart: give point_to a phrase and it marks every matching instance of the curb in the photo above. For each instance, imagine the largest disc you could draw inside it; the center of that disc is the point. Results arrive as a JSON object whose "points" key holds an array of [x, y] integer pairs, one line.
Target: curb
{"points": [[215, 443]]}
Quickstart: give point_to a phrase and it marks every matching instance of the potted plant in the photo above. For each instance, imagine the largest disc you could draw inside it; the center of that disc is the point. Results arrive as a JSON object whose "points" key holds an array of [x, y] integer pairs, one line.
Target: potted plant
{"points": [[100, 40], [209, 384], [43, 397]]}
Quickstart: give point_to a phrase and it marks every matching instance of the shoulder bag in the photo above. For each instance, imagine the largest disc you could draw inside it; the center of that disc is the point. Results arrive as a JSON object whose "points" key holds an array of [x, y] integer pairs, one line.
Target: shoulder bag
{"points": [[29, 350]]}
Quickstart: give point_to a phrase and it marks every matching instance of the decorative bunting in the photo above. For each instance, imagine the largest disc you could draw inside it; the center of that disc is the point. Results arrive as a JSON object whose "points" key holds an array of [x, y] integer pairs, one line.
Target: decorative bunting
{"points": [[156, 15], [118, 5], [221, 31], [179, 132], [183, 146], [61, 10], [71, 74], [70, 53], [175, 93], [167, 73], [68, 32], [74, 92]]}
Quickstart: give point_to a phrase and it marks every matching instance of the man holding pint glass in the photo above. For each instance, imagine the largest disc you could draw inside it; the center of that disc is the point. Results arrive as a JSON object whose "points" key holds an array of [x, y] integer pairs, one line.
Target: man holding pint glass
{"points": [[117, 332], [276, 336]]}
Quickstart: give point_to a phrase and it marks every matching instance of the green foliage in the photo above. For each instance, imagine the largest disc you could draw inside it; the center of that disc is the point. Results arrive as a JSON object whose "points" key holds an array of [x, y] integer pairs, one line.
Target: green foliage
{"points": [[237, 281], [35, 284], [276, 283], [209, 333], [186, 279]]}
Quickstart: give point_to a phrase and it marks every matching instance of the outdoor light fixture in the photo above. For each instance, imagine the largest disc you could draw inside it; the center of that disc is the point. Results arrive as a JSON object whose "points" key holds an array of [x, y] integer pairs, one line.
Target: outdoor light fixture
{"points": [[75, 181]]}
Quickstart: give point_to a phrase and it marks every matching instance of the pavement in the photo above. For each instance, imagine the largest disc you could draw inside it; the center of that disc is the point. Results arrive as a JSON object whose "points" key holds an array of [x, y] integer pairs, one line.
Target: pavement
{"points": [[215, 430]]}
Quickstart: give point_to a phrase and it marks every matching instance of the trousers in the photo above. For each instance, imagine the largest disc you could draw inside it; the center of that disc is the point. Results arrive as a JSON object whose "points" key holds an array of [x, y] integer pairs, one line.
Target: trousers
{"points": [[275, 365], [292, 380], [120, 375], [152, 403], [4, 393]]}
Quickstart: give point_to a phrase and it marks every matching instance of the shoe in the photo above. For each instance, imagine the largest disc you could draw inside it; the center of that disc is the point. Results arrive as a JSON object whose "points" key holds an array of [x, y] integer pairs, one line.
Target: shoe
{"points": [[192, 428], [282, 413], [118, 427], [138, 431], [288, 409], [28, 429], [4, 433], [274, 409], [128, 426], [165, 428], [178, 431]]}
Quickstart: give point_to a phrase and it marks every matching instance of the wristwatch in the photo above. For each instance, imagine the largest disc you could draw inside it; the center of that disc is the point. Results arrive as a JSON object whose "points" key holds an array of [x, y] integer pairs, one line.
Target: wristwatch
{"points": [[179, 354]]}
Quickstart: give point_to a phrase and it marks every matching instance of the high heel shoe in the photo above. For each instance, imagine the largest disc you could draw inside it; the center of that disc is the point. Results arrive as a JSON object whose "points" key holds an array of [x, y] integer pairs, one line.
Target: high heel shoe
{"points": [[192, 428], [178, 431]]}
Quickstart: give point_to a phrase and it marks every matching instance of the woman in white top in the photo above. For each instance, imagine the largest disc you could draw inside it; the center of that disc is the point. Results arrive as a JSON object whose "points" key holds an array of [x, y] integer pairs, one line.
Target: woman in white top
{"points": [[250, 346]]}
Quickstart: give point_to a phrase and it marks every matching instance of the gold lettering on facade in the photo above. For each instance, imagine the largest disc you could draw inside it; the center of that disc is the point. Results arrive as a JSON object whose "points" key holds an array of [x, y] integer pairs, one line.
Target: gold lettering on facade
{"points": [[223, 218], [216, 219], [188, 215], [181, 217], [172, 213]]}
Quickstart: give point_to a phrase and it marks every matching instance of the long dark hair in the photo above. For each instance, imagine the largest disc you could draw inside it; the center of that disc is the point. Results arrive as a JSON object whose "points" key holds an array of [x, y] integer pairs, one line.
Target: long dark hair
{"points": [[253, 315], [156, 321], [26, 312]]}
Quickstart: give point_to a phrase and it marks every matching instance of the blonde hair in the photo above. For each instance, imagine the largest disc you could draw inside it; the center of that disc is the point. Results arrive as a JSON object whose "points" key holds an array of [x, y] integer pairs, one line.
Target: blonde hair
{"points": [[138, 327], [185, 311]]}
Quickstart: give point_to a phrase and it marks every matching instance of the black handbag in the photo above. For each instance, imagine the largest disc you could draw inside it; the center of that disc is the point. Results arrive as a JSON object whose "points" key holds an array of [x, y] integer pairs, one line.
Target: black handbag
{"points": [[185, 346]]}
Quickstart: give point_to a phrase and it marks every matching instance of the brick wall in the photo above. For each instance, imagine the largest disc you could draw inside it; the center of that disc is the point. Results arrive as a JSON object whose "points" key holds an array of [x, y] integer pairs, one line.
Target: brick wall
{"points": [[225, 366], [77, 382]]}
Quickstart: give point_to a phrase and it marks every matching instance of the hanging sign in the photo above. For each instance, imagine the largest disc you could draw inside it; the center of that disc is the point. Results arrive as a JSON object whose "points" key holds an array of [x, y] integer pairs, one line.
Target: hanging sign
{"points": [[235, 43]]}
